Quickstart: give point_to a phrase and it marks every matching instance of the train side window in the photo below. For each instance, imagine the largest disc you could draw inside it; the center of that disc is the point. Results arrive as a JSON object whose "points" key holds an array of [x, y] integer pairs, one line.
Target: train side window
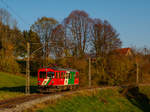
{"points": [[70, 75], [76, 75], [66, 75], [62, 75], [56, 75]]}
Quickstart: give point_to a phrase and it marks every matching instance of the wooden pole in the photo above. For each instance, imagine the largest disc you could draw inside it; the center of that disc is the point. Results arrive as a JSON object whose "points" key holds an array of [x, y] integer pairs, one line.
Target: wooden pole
{"points": [[89, 72], [137, 73], [28, 69], [46, 54]]}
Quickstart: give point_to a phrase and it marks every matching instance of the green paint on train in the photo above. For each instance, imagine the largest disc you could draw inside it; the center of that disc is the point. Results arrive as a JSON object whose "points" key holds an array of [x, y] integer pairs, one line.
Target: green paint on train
{"points": [[71, 78]]}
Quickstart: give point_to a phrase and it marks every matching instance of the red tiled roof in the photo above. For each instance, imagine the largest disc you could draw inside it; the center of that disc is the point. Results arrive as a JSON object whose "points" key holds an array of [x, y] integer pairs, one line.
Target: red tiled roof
{"points": [[123, 51]]}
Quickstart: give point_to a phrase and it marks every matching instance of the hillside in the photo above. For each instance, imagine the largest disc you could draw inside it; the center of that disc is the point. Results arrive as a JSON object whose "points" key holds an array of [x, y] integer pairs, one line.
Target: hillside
{"points": [[107, 100], [14, 85]]}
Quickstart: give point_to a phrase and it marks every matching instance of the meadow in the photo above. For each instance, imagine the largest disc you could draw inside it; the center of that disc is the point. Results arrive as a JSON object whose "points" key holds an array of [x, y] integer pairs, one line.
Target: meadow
{"points": [[109, 100], [14, 85]]}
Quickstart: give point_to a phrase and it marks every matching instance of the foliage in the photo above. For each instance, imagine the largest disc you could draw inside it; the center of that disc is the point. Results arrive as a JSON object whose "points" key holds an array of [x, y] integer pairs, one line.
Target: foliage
{"points": [[8, 64], [113, 70], [120, 69], [99, 74], [101, 101]]}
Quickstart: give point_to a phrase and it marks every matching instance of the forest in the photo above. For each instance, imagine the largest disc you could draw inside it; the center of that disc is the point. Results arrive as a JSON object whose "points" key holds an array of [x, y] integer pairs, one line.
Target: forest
{"points": [[69, 44]]}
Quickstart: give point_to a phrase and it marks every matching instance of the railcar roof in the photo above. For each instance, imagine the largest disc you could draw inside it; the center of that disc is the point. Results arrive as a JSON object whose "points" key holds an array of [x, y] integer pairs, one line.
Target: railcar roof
{"points": [[63, 69]]}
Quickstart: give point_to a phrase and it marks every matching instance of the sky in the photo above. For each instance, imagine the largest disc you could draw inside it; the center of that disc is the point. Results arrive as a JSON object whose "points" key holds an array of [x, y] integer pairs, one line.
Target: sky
{"points": [[130, 18]]}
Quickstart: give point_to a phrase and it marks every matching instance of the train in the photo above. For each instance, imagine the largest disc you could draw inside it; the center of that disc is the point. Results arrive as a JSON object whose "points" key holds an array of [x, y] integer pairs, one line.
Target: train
{"points": [[52, 79]]}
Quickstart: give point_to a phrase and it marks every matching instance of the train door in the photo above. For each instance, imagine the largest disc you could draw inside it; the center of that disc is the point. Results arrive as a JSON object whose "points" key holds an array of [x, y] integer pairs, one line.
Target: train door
{"points": [[50, 76], [71, 78], [61, 78], [58, 78], [41, 77], [66, 78], [76, 81]]}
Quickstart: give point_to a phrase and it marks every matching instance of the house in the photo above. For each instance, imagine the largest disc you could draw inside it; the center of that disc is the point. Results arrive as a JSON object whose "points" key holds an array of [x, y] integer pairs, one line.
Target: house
{"points": [[124, 51]]}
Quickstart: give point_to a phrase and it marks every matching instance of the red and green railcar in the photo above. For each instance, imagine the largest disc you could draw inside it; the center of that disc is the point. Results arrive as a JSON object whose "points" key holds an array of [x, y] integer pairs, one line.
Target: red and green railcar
{"points": [[53, 79]]}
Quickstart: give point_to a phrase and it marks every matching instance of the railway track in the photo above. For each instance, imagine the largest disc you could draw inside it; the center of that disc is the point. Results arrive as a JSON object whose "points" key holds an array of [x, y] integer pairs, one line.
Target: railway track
{"points": [[21, 103], [14, 102]]}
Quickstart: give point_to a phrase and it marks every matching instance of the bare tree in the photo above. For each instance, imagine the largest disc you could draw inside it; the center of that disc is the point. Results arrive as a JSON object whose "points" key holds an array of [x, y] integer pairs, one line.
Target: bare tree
{"points": [[44, 27], [77, 26], [58, 38], [104, 37], [7, 19]]}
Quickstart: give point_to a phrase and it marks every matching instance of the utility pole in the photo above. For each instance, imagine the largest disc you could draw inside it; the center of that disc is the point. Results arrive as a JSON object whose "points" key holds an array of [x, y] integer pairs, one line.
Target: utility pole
{"points": [[27, 90], [137, 73], [89, 72], [46, 55], [28, 69]]}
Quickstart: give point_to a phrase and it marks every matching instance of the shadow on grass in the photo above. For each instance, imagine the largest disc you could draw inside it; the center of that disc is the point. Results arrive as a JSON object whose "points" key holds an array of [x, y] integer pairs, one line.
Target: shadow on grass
{"points": [[138, 99], [33, 89]]}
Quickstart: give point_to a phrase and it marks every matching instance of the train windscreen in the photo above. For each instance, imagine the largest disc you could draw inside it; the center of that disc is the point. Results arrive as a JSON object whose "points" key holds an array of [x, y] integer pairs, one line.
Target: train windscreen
{"points": [[50, 74], [42, 75]]}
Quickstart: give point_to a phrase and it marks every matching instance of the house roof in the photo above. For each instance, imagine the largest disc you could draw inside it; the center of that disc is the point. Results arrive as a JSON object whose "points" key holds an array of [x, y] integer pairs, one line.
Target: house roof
{"points": [[123, 51]]}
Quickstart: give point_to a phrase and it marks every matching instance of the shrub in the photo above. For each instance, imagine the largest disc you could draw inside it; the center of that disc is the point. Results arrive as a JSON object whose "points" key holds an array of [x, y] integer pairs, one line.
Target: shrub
{"points": [[8, 64]]}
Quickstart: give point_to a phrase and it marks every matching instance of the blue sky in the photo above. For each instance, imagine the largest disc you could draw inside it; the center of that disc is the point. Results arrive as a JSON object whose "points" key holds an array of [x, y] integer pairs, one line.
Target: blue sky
{"points": [[131, 18]]}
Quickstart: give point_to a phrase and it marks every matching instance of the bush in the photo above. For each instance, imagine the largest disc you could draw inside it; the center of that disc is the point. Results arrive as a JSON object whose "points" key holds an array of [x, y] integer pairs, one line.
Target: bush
{"points": [[8, 64], [113, 70]]}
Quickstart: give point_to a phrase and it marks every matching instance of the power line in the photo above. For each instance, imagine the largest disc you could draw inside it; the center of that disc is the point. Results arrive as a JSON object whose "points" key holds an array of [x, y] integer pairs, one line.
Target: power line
{"points": [[10, 8], [13, 11]]}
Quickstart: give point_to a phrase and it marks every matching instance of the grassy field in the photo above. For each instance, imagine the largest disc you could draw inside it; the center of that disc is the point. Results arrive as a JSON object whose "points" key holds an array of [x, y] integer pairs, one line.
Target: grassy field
{"points": [[13, 85], [110, 100]]}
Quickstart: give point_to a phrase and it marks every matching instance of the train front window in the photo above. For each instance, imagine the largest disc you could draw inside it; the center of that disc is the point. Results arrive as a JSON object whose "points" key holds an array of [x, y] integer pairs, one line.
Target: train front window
{"points": [[42, 75], [50, 74]]}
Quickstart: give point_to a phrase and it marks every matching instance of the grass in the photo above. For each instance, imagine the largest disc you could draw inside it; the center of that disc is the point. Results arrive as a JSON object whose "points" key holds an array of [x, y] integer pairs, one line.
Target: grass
{"points": [[109, 100], [13, 85], [145, 90]]}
